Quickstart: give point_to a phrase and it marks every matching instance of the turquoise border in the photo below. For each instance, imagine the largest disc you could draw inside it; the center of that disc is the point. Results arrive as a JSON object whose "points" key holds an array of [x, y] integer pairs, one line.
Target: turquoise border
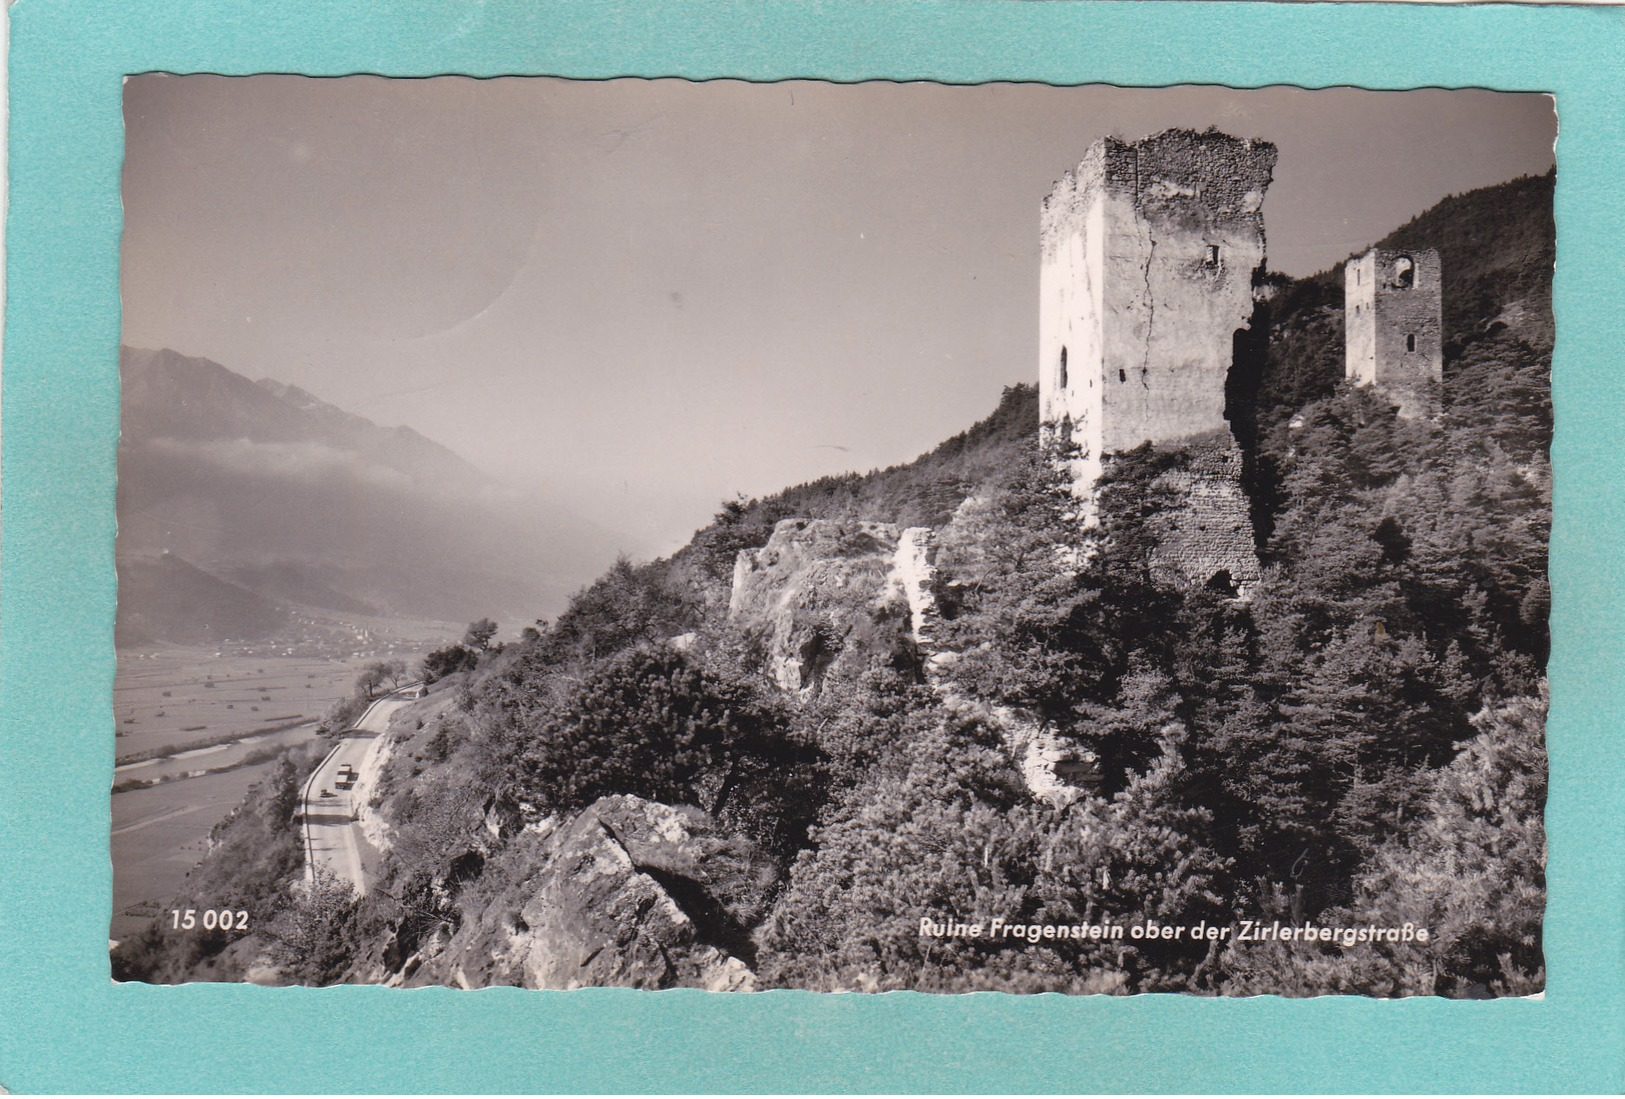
{"points": [[64, 1026]]}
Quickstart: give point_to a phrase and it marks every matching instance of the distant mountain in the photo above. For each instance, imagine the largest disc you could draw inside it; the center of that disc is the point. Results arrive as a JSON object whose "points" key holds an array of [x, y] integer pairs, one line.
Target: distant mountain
{"points": [[288, 582], [168, 395], [399, 448], [168, 599], [270, 491]]}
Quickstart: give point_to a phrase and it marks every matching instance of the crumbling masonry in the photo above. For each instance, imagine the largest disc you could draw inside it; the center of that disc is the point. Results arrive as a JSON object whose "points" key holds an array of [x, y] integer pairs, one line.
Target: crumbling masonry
{"points": [[1392, 312], [1150, 255]]}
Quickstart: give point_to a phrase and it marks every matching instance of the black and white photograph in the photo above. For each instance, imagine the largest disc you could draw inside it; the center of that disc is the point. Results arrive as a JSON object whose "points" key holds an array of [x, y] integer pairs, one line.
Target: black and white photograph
{"points": [[862, 537]]}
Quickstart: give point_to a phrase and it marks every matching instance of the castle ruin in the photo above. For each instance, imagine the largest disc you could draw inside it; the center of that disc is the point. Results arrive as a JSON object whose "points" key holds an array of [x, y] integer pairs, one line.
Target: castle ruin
{"points": [[1392, 309], [1150, 253]]}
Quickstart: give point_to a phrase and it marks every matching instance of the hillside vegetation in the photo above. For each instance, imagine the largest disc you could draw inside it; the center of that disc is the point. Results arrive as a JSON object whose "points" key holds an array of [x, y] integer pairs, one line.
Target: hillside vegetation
{"points": [[1360, 745]]}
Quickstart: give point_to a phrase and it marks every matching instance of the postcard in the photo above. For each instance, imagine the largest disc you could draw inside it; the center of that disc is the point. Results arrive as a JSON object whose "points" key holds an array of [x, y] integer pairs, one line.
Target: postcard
{"points": [[844, 547], [846, 537]]}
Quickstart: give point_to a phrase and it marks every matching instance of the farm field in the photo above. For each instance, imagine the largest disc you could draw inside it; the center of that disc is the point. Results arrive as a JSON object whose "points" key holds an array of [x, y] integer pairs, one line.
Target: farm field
{"points": [[181, 697], [194, 762]]}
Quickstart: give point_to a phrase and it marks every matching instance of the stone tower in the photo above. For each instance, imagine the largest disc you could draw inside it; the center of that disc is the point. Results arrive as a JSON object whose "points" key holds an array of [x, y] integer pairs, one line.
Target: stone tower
{"points": [[1149, 254], [1392, 308]]}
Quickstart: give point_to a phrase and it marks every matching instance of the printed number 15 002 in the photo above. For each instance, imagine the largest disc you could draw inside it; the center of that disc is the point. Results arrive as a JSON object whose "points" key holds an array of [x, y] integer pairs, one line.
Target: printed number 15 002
{"points": [[210, 920]]}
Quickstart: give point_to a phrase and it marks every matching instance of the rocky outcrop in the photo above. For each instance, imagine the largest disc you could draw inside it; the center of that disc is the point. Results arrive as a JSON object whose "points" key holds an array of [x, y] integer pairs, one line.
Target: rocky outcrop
{"points": [[820, 599], [1054, 770], [915, 571], [828, 596], [629, 893], [373, 825]]}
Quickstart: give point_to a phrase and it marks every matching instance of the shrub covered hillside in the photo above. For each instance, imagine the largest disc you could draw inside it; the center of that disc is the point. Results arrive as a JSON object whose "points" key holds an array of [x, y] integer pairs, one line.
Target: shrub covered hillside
{"points": [[812, 778]]}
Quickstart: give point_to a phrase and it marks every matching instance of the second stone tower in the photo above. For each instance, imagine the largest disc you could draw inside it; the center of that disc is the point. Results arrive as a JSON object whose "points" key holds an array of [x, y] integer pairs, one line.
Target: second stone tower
{"points": [[1392, 312]]}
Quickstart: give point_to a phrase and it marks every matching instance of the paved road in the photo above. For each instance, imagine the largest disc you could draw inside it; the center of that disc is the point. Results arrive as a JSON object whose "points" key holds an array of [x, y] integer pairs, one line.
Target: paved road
{"points": [[333, 839]]}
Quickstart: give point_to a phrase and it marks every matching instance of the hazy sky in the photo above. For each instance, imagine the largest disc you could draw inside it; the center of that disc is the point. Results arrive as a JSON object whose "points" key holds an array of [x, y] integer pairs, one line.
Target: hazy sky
{"points": [[646, 296]]}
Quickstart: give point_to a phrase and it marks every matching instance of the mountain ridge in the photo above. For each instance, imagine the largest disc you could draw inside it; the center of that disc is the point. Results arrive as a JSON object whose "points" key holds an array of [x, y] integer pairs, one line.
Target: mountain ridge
{"points": [[265, 487]]}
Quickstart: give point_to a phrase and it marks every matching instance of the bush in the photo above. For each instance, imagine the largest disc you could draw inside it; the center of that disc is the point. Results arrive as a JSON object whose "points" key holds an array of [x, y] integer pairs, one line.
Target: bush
{"points": [[448, 661], [651, 722]]}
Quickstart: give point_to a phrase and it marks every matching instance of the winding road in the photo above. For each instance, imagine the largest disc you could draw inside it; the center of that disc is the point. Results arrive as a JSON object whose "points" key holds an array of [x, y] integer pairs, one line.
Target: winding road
{"points": [[333, 839]]}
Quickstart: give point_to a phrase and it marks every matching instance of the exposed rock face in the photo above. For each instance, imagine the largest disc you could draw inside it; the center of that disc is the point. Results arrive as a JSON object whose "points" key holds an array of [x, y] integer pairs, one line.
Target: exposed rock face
{"points": [[373, 825], [915, 566], [821, 598], [630, 893], [829, 596], [1054, 770]]}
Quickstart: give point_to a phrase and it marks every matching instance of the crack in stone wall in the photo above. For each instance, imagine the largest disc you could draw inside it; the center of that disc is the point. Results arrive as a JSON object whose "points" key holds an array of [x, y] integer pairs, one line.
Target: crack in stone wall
{"points": [[1150, 250]]}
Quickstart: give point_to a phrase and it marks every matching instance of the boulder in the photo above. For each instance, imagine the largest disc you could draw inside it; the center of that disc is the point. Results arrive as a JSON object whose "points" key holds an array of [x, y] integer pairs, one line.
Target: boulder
{"points": [[630, 893]]}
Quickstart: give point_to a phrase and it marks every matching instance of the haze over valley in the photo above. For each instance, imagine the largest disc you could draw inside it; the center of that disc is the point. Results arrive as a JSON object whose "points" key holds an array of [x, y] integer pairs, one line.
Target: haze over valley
{"points": [[270, 546], [254, 512]]}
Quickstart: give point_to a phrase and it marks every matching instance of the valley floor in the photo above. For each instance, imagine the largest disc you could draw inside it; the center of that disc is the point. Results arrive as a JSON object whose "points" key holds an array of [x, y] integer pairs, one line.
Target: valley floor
{"points": [[181, 703]]}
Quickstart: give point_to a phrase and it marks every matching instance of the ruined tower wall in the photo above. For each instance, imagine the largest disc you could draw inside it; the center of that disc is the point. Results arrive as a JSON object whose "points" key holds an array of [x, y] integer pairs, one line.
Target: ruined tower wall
{"points": [[1148, 255], [1148, 258], [1184, 245], [1393, 318], [1360, 319], [1072, 323]]}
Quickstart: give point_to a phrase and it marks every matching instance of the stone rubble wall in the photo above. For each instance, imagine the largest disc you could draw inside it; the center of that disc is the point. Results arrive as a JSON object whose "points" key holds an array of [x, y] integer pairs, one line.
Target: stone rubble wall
{"points": [[1213, 532]]}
